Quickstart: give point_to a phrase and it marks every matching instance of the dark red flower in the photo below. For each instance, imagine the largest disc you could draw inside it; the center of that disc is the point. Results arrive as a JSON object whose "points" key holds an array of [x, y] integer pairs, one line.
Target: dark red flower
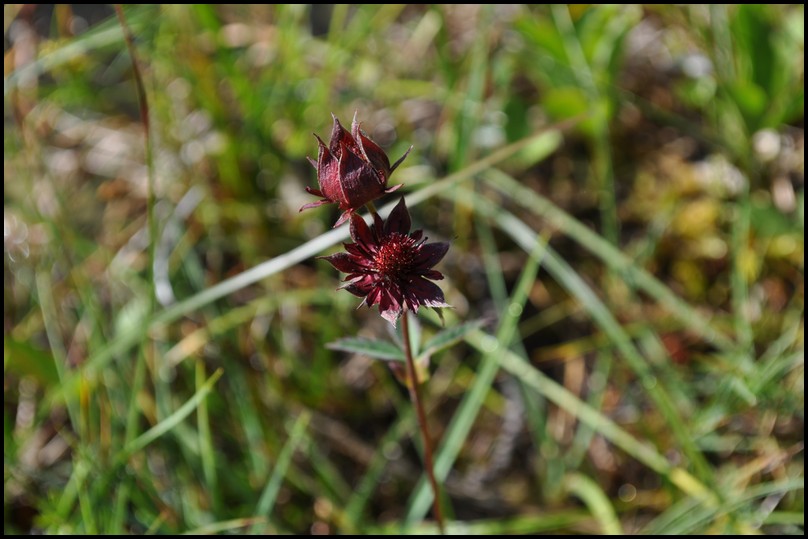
{"points": [[352, 170], [389, 266]]}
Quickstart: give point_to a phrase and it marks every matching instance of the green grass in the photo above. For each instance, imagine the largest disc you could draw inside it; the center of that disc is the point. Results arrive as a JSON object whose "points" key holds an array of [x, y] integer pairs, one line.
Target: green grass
{"points": [[623, 187]]}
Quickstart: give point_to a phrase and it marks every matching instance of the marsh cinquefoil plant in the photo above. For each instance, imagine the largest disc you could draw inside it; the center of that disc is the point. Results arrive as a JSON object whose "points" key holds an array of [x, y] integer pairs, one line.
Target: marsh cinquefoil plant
{"points": [[386, 265]]}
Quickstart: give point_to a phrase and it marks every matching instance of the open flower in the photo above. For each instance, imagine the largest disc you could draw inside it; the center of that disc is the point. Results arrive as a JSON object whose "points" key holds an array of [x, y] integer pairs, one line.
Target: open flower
{"points": [[352, 170], [389, 266]]}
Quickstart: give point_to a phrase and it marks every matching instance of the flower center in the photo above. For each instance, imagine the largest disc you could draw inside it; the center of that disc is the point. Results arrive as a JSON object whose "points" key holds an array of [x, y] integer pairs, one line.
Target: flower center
{"points": [[395, 255]]}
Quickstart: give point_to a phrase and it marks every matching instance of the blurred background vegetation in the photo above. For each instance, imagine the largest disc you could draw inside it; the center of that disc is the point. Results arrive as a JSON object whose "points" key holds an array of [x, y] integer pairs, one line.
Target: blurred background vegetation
{"points": [[623, 187]]}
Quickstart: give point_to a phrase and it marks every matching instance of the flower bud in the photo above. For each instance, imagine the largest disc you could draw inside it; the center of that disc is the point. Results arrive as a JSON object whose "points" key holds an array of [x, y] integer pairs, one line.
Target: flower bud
{"points": [[352, 170]]}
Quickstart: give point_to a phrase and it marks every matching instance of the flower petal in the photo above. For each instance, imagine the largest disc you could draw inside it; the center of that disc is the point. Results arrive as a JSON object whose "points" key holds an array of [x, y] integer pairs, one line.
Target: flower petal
{"points": [[375, 155], [357, 250], [355, 125], [425, 293], [399, 219], [360, 232], [430, 254], [343, 262], [357, 291], [432, 274], [337, 133], [327, 170], [360, 286], [377, 228], [359, 182], [342, 218], [389, 307], [374, 295], [339, 137], [371, 151], [314, 204]]}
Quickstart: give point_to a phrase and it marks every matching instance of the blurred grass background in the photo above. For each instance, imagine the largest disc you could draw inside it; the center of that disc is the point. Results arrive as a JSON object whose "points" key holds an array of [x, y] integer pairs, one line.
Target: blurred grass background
{"points": [[623, 187]]}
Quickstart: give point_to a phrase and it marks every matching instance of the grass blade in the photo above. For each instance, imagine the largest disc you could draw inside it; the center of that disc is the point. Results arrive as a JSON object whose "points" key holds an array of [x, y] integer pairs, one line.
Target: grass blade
{"points": [[270, 493], [225, 526], [175, 418], [597, 502]]}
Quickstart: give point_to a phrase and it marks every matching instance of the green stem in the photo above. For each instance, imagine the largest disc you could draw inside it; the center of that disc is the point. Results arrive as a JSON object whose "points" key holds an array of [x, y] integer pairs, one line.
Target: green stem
{"points": [[372, 207], [415, 397]]}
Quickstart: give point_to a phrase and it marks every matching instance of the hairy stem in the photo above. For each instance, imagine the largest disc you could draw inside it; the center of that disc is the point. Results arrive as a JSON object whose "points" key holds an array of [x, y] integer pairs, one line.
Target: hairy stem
{"points": [[415, 397]]}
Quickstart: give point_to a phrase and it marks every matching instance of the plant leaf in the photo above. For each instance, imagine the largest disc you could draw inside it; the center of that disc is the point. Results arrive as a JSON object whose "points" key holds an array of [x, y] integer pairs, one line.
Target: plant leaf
{"points": [[376, 349], [448, 337]]}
